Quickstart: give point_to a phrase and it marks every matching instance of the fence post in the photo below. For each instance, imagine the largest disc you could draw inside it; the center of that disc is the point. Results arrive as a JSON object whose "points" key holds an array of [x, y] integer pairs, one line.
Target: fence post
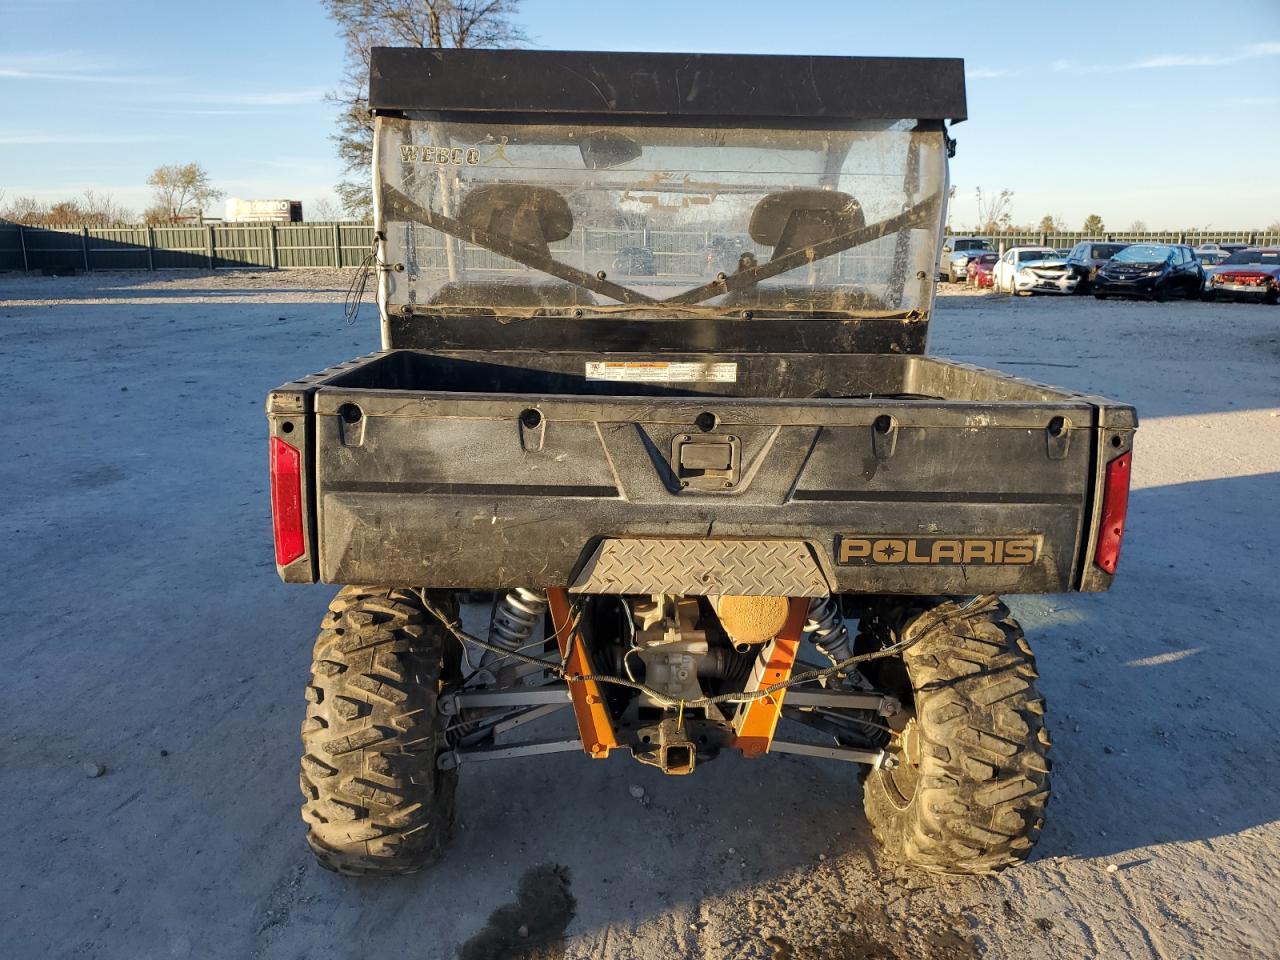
{"points": [[275, 249], [208, 245], [337, 245], [22, 243], [151, 248], [84, 247]]}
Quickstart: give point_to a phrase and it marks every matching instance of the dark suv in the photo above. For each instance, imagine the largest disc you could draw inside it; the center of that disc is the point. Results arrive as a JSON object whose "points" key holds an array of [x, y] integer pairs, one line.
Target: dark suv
{"points": [[1086, 257], [1151, 270]]}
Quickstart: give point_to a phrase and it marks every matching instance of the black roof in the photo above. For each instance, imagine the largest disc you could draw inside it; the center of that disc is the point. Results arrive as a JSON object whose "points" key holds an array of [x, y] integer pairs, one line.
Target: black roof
{"points": [[673, 85]]}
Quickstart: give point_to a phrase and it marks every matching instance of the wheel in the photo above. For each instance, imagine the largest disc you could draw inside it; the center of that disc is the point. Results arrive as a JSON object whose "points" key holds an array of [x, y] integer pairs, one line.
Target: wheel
{"points": [[373, 800], [1099, 296], [966, 781], [1272, 297], [1159, 293]]}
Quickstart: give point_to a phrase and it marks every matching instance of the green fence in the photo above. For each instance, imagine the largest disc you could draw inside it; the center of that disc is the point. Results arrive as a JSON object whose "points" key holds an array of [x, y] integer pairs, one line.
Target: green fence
{"points": [[211, 246], [295, 245], [1192, 237]]}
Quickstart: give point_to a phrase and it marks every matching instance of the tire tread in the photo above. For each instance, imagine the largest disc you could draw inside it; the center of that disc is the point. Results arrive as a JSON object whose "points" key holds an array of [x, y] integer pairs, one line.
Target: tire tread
{"points": [[373, 801]]}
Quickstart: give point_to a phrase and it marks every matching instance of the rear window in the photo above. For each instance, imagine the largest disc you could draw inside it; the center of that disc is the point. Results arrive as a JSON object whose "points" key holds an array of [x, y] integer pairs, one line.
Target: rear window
{"points": [[1260, 258], [1105, 251], [972, 245]]}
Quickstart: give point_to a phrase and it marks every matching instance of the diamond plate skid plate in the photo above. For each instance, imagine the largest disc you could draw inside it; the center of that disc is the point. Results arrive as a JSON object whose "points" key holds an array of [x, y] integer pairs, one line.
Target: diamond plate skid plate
{"points": [[752, 568]]}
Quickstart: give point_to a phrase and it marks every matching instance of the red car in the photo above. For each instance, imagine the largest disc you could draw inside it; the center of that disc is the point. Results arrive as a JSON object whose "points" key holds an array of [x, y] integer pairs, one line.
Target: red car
{"points": [[978, 272], [1246, 275]]}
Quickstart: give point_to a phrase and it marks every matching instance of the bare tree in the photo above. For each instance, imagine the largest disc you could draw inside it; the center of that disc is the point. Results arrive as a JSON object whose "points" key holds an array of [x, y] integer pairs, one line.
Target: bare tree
{"points": [[24, 210], [91, 210], [365, 24], [1138, 226], [995, 211], [181, 190], [324, 210], [101, 210]]}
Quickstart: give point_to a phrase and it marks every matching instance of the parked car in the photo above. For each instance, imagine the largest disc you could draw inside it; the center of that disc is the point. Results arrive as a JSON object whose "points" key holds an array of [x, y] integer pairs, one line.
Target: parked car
{"points": [[956, 251], [1152, 270], [1247, 275], [1227, 248], [1087, 256], [1211, 258], [978, 272], [724, 254], [1028, 270], [635, 262]]}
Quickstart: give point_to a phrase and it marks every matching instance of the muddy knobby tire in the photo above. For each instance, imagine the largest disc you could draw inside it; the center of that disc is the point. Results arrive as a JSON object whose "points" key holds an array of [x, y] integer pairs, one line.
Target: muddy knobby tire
{"points": [[373, 800], [982, 780]]}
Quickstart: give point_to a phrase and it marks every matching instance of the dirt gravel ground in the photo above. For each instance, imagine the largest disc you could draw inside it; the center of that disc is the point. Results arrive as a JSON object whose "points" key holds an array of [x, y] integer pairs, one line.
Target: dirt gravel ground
{"points": [[154, 669]]}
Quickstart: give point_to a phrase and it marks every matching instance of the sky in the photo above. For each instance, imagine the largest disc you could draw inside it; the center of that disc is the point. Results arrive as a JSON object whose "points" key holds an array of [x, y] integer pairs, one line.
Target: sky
{"points": [[1163, 111]]}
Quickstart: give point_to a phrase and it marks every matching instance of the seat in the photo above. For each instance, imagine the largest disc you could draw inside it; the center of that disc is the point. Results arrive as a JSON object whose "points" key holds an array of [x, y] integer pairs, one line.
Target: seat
{"points": [[760, 300], [531, 216], [499, 293]]}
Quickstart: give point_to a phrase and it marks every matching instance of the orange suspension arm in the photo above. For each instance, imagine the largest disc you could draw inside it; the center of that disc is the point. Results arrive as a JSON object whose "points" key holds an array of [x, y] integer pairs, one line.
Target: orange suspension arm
{"points": [[589, 708], [758, 719]]}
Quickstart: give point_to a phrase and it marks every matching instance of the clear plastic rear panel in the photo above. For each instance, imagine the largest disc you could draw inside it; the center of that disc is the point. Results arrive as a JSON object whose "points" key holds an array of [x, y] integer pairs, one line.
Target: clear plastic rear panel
{"points": [[661, 221]]}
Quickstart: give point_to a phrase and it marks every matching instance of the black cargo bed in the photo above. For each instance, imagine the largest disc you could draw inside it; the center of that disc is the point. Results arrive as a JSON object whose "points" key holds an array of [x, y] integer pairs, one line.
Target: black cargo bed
{"points": [[500, 469]]}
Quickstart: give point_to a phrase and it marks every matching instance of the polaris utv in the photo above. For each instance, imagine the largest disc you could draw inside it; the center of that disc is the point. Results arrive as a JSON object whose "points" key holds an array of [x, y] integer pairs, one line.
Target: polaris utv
{"points": [[742, 512]]}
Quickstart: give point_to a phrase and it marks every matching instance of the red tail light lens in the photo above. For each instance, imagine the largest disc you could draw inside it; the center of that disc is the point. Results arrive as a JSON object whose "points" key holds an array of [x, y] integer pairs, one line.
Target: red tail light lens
{"points": [[1115, 506], [286, 501]]}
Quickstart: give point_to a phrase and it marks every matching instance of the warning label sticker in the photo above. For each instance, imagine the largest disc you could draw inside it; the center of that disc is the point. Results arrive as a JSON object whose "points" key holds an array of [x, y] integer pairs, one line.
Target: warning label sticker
{"points": [[661, 371]]}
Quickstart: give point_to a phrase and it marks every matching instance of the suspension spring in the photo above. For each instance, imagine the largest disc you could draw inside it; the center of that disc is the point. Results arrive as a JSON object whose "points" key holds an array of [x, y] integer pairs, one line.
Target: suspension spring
{"points": [[827, 629], [515, 616]]}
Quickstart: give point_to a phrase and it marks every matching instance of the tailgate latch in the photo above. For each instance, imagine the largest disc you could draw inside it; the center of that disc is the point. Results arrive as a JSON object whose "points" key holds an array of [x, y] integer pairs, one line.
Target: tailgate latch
{"points": [[708, 462]]}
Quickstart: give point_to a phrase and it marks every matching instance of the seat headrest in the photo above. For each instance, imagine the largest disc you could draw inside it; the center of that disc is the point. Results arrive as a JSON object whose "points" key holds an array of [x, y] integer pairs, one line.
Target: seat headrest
{"points": [[794, 219], [530, 215]]}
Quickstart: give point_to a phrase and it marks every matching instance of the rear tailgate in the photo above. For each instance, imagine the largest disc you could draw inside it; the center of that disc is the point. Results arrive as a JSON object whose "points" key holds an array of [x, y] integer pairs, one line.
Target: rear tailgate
{"points": [[623, 493]]}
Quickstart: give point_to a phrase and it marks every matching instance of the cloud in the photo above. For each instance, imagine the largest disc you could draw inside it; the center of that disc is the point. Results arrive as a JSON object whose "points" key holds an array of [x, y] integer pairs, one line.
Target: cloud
{"points": [[264, 98], [987, 73], [66, 65], [1253, 51], [69, 139], [196, 111]]}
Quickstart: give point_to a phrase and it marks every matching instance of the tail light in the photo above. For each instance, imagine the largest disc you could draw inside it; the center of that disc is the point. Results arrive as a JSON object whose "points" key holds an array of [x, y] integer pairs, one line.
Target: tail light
{"points": [[286, 501], [1115, 505]]}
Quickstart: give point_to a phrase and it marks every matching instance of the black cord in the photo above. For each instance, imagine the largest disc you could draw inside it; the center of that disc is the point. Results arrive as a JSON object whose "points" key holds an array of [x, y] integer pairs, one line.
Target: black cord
{"points": [[355, 292]]}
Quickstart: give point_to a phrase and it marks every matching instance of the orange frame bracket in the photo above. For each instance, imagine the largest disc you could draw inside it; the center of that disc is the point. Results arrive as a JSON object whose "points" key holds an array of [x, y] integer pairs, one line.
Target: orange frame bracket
{"points": [[594, 725], [757, 720]]}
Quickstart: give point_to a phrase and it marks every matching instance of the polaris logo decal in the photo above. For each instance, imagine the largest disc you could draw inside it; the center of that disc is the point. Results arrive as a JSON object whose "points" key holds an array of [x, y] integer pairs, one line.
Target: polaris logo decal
{"points": [[860, 550]]}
